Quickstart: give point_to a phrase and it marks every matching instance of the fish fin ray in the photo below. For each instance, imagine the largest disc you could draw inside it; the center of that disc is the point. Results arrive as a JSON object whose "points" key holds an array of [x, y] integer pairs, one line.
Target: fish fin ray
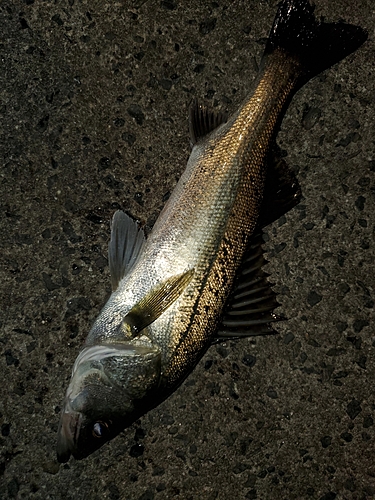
{"points": [[126, 243], [245, 315], [229, 334], [281, 191], [157, 301], [202, 121], [316, 45]]}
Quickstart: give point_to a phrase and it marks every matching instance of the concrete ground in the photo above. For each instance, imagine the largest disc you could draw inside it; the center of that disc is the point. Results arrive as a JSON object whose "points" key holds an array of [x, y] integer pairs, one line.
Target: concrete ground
{"points": [[94, 105]]}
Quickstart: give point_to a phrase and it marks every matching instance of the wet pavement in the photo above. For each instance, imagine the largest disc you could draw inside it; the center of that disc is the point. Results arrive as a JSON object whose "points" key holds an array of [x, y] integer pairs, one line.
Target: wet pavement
{"points": [[94, 105]]}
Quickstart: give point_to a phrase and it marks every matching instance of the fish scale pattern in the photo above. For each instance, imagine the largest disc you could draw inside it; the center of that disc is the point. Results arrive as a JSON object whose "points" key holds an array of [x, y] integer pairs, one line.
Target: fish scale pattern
{"points": [[205, 226], [237, 155]]}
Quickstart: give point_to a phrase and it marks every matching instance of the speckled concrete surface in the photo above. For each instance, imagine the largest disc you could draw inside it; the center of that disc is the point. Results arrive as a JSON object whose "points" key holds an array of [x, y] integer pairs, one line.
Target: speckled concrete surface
{"points": [[94, 103]]}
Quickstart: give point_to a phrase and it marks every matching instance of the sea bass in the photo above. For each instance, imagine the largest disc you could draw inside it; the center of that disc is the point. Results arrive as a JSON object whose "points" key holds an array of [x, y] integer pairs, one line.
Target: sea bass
{"points": [[198, 275]]}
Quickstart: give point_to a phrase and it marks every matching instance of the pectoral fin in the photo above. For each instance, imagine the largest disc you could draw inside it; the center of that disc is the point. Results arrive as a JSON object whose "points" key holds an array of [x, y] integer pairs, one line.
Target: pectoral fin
{"points": [[158, 300]]}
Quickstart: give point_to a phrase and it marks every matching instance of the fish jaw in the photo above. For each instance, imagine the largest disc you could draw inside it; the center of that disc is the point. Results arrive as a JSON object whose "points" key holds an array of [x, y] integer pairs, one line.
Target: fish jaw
{"points": [[107, 392], [67, 433], [80, 435]]}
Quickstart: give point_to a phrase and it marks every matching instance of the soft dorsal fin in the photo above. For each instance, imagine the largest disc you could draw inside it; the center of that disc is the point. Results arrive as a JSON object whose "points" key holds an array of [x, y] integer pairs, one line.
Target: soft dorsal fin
{"points": [[249, 310], [153, 304], [127, 240], [202, 121], [281, 190]]}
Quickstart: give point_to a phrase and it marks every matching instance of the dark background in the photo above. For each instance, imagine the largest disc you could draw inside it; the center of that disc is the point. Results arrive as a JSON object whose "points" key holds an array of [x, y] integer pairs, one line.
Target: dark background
{"points": [[94, 106]]}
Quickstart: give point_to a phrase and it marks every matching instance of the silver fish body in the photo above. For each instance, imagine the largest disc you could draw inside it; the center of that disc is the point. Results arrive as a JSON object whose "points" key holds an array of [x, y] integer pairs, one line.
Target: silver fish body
{"points": [[170, 290]]}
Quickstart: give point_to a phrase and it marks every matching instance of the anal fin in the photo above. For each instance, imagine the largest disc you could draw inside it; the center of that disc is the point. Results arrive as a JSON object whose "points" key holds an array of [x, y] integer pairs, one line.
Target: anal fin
{"points": [[202, 121]]}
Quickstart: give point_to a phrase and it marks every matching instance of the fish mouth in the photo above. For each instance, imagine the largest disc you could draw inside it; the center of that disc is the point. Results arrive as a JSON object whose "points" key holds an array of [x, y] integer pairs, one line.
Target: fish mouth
{"points": [[68, 434]]}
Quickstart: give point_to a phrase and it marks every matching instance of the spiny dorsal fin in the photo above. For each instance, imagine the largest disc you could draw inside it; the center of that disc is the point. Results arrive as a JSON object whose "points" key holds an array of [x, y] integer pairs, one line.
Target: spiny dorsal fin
{"points": [[126, 243], [202, 121], [158, 300], [249, 310], [281, 190]]}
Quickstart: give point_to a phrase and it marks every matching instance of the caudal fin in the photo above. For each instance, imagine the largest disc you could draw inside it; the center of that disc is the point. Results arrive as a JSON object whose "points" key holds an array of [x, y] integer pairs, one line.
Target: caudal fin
{"points": [[316, 45]]}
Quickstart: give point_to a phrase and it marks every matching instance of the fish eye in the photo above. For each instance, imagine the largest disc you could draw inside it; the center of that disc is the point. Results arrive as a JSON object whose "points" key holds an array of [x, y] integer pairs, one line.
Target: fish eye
{"points": [[100, 429]]}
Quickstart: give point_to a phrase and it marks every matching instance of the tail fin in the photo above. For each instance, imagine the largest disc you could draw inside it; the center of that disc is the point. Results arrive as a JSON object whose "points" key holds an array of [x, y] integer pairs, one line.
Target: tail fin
{"points": [[316, 45]]}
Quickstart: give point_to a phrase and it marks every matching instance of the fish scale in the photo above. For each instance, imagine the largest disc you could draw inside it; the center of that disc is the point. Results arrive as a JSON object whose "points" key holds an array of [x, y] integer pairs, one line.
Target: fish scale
{"points": [[244, 142], [176, 292]]}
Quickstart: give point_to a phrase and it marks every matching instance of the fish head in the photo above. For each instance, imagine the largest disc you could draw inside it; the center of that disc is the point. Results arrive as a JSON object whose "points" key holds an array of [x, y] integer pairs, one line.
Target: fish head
{"points": [[110, 386]]}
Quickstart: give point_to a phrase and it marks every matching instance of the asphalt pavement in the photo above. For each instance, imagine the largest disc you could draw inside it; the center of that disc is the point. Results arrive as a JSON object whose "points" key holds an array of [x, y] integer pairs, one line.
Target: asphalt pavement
{"points": [[94, 107]]}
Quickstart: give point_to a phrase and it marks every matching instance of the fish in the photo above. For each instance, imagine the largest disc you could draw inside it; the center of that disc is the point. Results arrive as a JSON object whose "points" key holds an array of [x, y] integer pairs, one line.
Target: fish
{"points": [[198, 277]]}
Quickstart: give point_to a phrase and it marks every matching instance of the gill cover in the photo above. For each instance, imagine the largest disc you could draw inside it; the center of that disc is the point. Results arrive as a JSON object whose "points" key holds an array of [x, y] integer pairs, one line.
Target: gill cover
{"points": [[105, 395]]}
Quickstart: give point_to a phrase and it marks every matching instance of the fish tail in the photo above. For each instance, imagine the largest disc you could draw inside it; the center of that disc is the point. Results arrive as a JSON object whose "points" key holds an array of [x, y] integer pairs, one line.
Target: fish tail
{"points": [[316, 45]]}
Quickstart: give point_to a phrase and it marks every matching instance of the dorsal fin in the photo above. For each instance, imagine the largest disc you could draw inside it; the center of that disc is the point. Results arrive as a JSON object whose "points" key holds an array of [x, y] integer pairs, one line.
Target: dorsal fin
{"points": [[202, 121], [249, 310], [127, 240], [281, 189]]}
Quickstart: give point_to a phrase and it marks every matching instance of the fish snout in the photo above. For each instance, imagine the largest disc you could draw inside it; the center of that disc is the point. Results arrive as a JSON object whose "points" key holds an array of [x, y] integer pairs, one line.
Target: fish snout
{"points": [[68, 432]]}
